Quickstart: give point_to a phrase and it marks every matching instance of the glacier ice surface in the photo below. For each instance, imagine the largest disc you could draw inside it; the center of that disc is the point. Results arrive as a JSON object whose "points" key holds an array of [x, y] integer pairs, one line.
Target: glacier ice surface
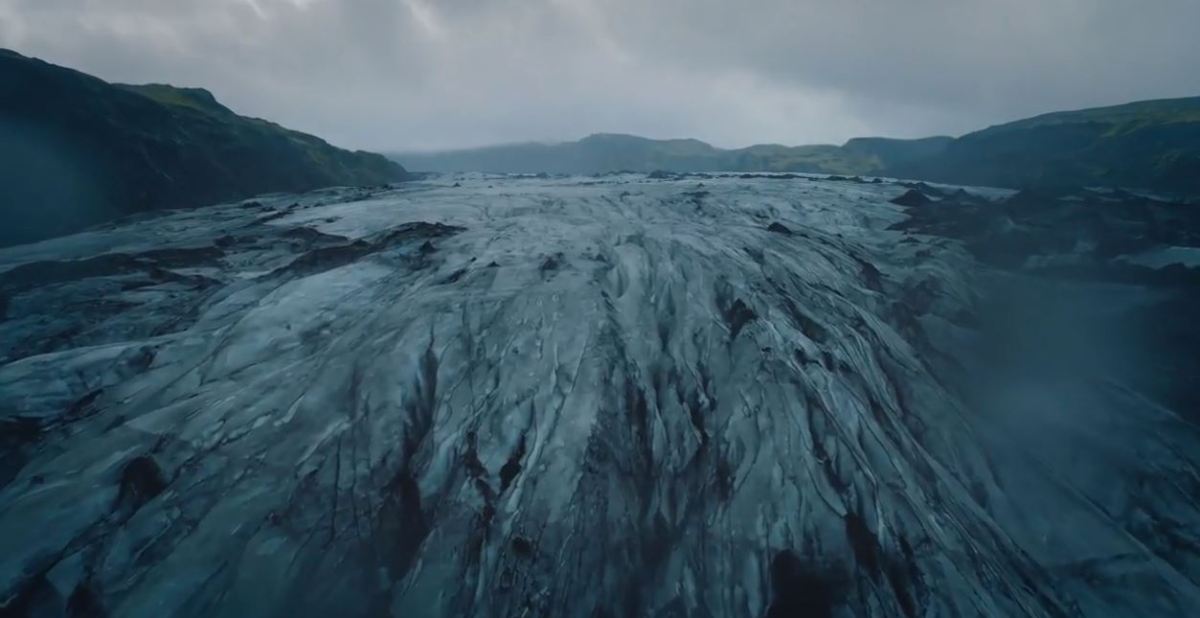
{"points": [[610, 396]]}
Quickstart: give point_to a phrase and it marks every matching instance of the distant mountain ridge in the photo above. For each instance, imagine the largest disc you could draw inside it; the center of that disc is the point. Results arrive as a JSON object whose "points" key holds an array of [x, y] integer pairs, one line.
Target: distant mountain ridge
{"points": [[78, 151], [1149, 144], [610, 152]]}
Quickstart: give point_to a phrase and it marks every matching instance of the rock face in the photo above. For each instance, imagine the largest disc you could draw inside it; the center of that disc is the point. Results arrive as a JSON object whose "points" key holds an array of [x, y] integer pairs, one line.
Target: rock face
{"points": [[529, 397]]}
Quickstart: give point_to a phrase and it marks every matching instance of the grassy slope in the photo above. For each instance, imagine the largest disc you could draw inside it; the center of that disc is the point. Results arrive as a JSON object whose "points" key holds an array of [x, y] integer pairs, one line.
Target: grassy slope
{"points": [[81, 151], [1149, 144]]}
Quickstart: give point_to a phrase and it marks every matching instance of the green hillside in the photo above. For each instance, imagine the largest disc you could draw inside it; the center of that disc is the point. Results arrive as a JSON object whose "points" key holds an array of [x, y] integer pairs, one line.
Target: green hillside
{"points": [[1149, 145], [78, 151]]}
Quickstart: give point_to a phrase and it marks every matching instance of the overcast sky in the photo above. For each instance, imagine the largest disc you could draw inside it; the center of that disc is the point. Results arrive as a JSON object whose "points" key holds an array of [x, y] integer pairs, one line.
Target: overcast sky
{"points": [[424, 74]]}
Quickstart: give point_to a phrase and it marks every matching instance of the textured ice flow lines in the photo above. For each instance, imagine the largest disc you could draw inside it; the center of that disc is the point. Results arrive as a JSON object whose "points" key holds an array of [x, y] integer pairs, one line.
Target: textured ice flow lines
{"points": [[612, 396]]}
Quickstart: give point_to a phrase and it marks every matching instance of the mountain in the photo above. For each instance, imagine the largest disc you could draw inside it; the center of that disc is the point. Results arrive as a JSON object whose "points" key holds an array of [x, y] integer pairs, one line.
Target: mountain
{"points": [[1150, 144], [78, 151], [607, 152], [596, 153], [891, 153]]}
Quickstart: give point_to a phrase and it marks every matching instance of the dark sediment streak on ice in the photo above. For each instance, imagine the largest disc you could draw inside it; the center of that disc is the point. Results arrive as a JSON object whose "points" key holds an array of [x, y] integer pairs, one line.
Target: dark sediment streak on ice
{"points": [[529, 397]]}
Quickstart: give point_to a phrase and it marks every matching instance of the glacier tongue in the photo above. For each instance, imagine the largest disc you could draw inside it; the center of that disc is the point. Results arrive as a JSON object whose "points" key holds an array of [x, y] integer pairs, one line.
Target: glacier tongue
{"points": [[612, 396]]}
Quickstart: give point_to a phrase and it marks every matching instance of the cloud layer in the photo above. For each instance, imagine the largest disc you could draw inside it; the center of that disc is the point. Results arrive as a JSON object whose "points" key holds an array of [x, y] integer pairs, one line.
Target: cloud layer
{"points": [[420, 74]]}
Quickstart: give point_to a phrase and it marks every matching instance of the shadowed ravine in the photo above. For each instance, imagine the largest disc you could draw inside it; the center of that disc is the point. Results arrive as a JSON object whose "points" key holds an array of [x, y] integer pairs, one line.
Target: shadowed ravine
{"points": [[612, 396]]}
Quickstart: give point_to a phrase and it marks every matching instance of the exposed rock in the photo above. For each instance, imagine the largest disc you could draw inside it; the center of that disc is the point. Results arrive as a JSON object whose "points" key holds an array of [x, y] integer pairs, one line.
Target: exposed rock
{"points": [[912, 198], [779, 228]]}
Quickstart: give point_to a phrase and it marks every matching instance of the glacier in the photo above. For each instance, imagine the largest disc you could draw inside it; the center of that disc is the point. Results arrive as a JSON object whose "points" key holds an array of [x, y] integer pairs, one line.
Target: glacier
{"points": [[473, 395]]}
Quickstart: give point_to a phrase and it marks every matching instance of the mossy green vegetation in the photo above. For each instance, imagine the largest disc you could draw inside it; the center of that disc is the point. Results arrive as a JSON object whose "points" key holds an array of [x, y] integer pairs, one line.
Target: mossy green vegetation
{"points": [[1151, 145]]}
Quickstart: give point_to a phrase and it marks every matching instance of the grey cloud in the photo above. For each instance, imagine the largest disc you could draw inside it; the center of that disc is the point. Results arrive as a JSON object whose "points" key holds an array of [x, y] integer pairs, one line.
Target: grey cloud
{"points": [[400, 74]]}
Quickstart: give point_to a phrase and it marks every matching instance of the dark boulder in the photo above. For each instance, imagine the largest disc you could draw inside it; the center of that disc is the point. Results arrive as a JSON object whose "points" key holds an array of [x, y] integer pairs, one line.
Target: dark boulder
{"points": [[912, 198], [779, 228]]}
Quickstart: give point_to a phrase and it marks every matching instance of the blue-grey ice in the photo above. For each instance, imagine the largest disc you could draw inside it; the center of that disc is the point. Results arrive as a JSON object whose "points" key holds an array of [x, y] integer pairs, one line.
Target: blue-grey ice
{"points": [[612, 396]]}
